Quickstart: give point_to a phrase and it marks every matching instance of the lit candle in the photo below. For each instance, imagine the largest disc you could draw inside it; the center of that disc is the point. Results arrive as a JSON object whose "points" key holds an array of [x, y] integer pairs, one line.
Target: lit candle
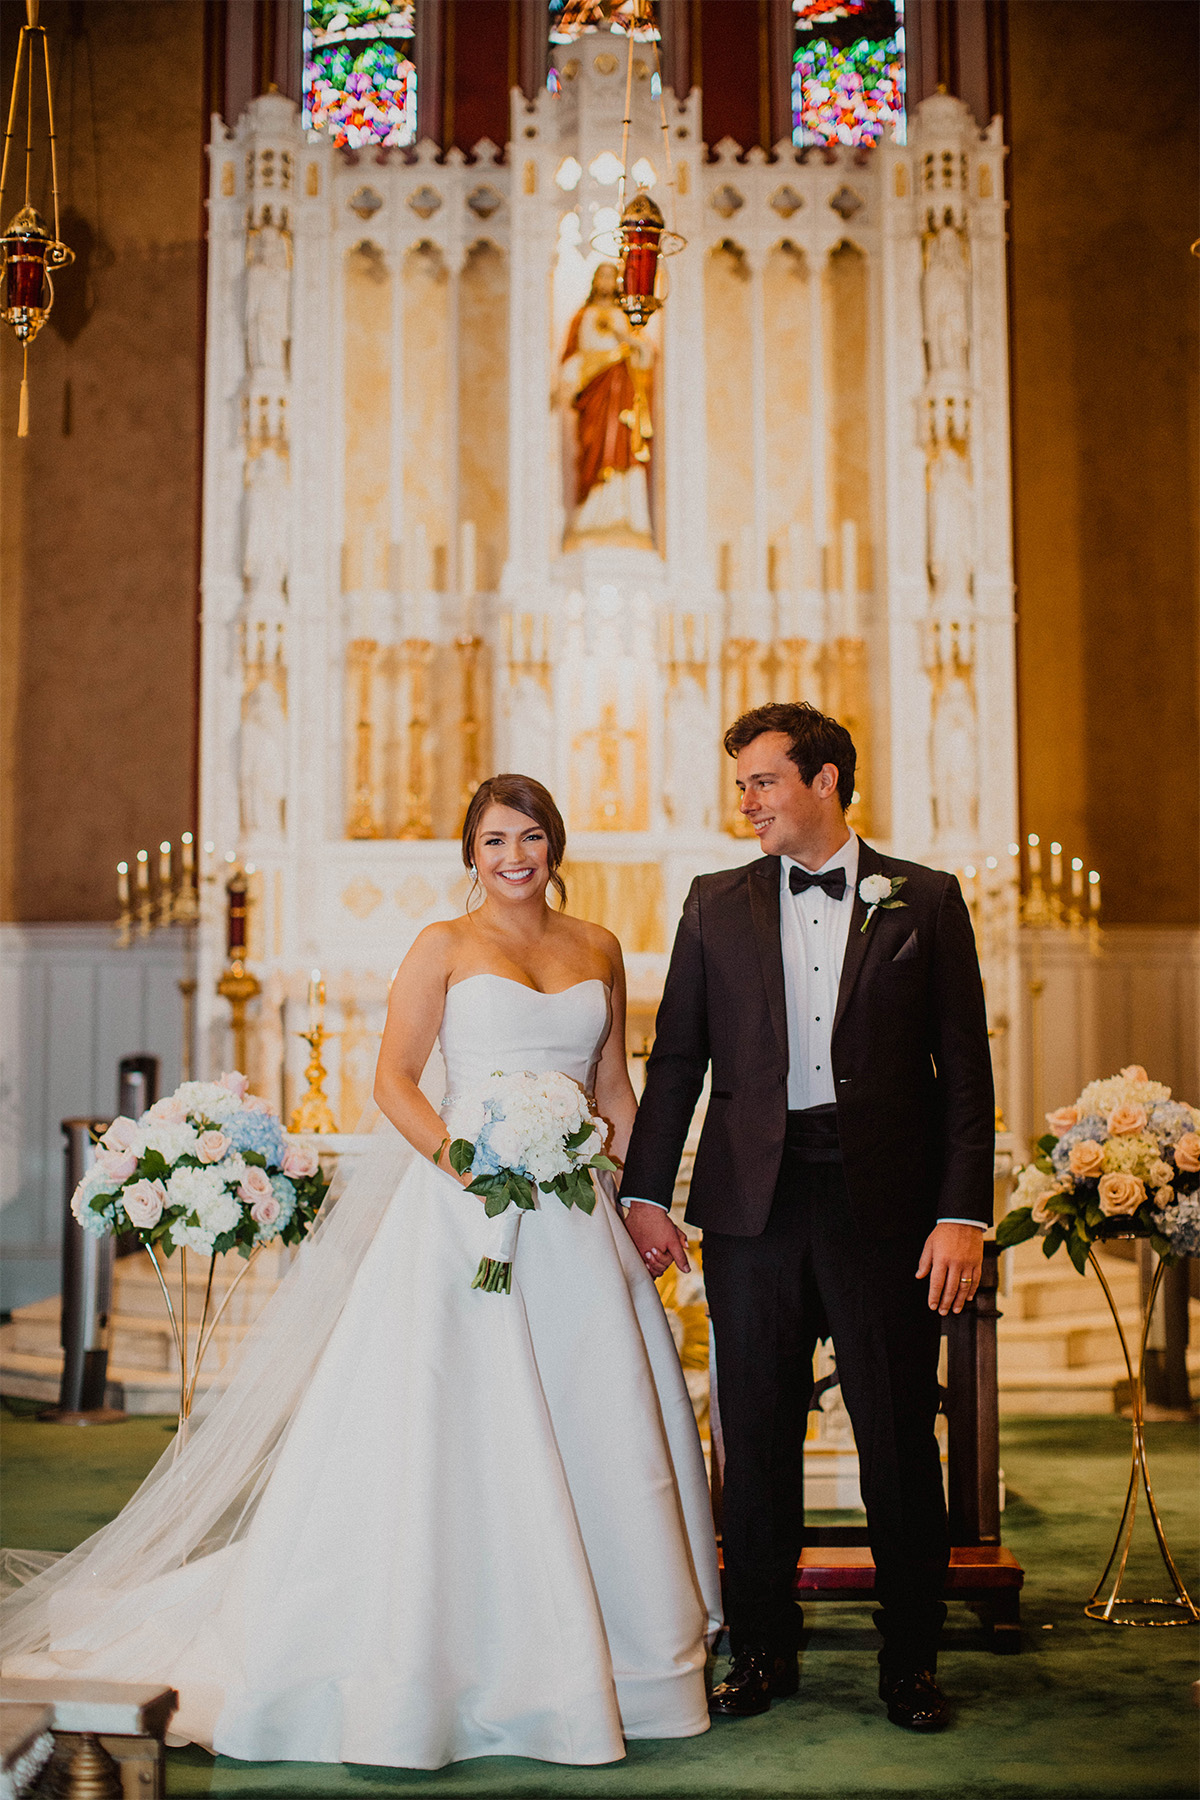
{"points": [[316, 999], [1055, 865], [123, 886], [164, 864], [142, 872], [1094, 893], [1077, 878], [189, 855], [1035, 853]]}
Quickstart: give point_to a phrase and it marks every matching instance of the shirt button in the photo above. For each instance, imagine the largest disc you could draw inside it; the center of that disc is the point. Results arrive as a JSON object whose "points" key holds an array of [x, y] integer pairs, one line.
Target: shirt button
{"points": [[818, 1018]]}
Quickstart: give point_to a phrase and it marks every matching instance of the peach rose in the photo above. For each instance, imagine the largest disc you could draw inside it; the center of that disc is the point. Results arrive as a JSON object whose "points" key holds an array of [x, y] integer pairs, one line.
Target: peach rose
{"points": [[1063, 1119], [211, 1146], [1124, 1120], [236, 1082], [254, 1103], [1040, 1212], [169, 1111], [1160, 1174], [1134, 1072], [1086, 1159], [299, 1161], [254, 1186], [1120, 1195], [1163, 1197], [1187, 1152], [266, 1210], [144, 1203], [118, 1165], [120, 1134]]}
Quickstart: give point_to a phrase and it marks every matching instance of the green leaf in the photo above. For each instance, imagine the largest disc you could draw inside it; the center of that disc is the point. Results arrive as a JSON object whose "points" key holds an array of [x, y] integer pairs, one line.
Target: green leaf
{"points": [[1062, 1203], [1016, 1227], [890, 905], [1078, 1249], [224, 1242], [1047, 1142], [1044, 1164], [98, 1202], [255, 1157], [579, 1137], [601, 1162], [1053, 1240], [462, 1155], [495, 1204], [522, 1192], [153, 1165], [1161, 1247], [585, 1199]]}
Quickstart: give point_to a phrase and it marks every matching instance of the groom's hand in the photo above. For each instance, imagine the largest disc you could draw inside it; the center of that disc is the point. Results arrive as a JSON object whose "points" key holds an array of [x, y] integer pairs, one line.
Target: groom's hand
{"points": [[953, 1260], [658, 1239]]}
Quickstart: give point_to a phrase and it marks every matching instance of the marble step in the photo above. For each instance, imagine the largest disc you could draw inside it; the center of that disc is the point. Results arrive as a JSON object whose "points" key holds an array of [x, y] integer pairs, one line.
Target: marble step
{"points": [[1098, 1388], [132, 1390], [1055, 1292], [135, 1341]]}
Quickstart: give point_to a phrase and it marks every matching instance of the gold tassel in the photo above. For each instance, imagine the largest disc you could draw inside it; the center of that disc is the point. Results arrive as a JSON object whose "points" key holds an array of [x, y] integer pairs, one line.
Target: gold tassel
{"points": [[23, 409]]}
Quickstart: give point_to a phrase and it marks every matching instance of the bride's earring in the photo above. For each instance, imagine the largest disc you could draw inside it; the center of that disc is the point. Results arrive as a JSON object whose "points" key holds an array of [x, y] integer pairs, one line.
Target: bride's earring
{"points": [[472, 874]]}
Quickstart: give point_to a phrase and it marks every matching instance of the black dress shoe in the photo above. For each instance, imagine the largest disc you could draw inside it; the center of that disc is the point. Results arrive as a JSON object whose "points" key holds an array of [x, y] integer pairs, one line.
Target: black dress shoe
{"points": [[915, 1700], [755, 1678]]}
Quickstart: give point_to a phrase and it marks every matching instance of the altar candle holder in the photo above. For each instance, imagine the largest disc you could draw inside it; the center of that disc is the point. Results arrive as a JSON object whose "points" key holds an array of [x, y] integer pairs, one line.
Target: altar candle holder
{"points": [[125, 912], [145, 905], [314, 1112], [166, 892], [1075, 908], [186, 905], [237, 984]]}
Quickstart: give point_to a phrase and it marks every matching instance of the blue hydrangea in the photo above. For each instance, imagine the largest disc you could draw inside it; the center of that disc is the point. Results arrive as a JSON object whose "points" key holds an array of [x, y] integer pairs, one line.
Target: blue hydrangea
{"points": [[1169, 1120], [285, 1193], [1180, 1225], [261, 1132], [1092, 1127], [485, 1161]]}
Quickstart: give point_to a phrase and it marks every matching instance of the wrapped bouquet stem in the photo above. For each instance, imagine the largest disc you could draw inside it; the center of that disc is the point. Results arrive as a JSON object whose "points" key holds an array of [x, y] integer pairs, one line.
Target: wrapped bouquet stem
{"points": [[518, 1135]]}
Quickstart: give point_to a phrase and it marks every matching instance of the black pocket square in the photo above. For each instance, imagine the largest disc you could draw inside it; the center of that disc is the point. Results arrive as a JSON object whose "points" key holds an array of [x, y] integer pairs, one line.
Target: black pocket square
{"points": [[908, 948]]}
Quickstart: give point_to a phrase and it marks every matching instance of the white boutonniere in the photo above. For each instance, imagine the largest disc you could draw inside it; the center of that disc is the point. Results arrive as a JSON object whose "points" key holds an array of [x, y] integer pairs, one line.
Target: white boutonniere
{"points": [[879, 890]]}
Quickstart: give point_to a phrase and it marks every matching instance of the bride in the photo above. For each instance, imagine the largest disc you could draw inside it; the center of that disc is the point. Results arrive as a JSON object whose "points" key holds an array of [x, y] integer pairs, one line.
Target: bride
{"points": [[424, 1522]]}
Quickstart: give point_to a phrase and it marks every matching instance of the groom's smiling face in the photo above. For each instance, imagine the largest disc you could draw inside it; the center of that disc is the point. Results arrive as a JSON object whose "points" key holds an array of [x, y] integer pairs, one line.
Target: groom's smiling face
{"points": [[790, 816]]}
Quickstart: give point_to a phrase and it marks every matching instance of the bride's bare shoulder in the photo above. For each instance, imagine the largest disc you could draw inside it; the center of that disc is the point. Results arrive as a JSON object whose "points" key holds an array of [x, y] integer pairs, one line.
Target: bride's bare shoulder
{"points": [[434, 949], [596, 940]]}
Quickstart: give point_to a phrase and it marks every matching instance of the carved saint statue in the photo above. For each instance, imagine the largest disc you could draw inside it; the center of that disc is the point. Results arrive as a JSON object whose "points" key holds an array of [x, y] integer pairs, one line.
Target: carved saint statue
{"points": [[265, 560], [955, 760], [268, 287], [607, 374], [945, 295], [262, 764], [951, 557]]}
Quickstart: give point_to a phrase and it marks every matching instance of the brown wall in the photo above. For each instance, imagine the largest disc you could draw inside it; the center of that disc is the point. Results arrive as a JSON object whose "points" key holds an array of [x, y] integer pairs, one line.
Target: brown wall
{"points": [[101, 501], [1104, 182]]}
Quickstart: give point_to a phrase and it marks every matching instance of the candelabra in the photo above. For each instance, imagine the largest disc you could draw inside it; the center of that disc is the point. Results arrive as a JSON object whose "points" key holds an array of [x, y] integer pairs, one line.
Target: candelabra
{"points": [[313, 1112], [237, 984], [363, 822], [417, 653], [173, 899], [468, 648]]}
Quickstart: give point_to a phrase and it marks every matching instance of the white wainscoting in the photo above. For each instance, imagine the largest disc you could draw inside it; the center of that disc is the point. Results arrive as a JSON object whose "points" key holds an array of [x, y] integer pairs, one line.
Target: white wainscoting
{"points": [[1136, 1000], [71, 1006]]}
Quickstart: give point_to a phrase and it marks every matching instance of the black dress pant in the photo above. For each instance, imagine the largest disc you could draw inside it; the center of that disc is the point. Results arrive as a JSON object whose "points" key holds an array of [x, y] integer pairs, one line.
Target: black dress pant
{"points": [[811, 1273]]}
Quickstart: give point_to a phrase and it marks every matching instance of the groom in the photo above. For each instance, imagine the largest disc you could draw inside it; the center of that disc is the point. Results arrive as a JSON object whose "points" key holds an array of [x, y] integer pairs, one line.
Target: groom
{"points": [[843, 1181]]}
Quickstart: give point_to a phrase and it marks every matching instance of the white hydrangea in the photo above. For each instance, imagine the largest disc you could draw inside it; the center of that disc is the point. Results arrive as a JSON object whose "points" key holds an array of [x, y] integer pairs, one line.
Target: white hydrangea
{"points": [[208, 1100], [193, 1237], [171, 1141], [1032, 1183], [200, 1191], [1118, 1090]]}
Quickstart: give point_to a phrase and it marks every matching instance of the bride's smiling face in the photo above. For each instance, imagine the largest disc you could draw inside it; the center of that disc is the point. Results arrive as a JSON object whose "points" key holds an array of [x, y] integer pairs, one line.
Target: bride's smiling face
{"points": [[512, 856]]}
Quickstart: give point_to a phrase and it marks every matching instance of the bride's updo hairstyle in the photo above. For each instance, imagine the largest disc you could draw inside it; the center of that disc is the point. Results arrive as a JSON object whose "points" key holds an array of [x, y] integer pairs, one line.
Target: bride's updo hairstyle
{"points": [[524, 795]]}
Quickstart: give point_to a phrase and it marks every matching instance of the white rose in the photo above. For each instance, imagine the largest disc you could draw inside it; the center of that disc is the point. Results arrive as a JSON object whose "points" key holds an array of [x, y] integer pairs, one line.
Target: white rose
{"points": [[875, 888]]}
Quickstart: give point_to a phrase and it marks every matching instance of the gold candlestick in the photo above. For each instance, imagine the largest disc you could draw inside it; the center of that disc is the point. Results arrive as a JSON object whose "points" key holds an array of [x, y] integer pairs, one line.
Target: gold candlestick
{"points": [[362, 822], [313, 1112], [417, 654], [237, 985], [145, 906], [468, 648], [125, 914]]}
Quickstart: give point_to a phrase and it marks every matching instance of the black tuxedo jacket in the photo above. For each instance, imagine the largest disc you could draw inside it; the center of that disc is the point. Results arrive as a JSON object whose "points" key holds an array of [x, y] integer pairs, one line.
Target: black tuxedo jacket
{"points": [[911, 1064]]}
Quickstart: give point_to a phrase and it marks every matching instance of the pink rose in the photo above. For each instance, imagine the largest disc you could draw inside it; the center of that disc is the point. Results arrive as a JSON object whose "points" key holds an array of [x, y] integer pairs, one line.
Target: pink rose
{"points": [[211, 1146], [1120, 1195], [1187, 1152], [169, 1111], [1040, 1212], [1134, 1072], [254, 1103], [265, 1211], [118, 1165], [236, 1083], [143, 1202], [1123, 1120], [1063, 1119], [120, 1134], [255, 1185], [1086, 1159], [299, 1161]]}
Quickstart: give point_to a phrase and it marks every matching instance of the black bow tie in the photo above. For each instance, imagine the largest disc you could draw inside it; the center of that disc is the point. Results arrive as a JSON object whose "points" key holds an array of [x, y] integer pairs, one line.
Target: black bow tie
{"points": [[832, 880]]}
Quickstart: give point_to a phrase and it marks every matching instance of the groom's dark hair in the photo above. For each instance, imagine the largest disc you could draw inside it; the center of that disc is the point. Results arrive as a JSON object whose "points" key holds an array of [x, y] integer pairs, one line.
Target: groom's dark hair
{"points": [[816, 739]]}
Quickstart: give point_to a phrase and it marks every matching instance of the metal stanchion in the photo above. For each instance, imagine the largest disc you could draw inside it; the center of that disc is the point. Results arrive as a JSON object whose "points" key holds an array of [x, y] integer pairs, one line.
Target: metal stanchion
{"points": [[87, 1272], [137, 1088]]}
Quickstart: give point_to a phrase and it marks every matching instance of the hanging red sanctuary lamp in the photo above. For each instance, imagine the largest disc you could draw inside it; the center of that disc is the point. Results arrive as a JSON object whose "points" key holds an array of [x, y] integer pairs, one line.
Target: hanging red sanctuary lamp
{"points": [[641, 237], [28, 251]]}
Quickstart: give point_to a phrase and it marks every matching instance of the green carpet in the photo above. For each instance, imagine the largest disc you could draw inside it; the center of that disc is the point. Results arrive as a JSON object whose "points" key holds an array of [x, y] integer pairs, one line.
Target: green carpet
{"points": [[1087, 1710]]}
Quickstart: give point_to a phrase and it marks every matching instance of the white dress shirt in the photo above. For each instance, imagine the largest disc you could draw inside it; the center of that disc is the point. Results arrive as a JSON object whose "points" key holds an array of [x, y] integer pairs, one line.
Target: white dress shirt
{"points": [[814, 931]]}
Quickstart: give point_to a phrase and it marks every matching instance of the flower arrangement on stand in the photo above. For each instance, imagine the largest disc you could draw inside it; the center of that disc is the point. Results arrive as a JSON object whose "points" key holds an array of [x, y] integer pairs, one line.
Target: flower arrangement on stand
{"points": [[517, 1134], [1123, 1161], [206, 1169]]}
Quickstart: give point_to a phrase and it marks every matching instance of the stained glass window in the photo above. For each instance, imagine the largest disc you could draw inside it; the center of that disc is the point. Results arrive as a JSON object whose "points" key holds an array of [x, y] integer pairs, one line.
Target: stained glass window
{"points": [[848, 74], [360, 84], [569, 19]]}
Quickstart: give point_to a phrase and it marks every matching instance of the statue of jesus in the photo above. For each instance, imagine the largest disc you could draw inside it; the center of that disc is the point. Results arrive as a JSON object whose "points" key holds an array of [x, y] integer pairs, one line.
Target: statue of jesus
{"points": [[607, 374]]}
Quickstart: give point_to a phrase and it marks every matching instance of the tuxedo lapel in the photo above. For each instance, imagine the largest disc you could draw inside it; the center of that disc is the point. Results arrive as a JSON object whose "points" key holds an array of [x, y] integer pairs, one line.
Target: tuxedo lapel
{"points": [[763, 883], [858, 944]]}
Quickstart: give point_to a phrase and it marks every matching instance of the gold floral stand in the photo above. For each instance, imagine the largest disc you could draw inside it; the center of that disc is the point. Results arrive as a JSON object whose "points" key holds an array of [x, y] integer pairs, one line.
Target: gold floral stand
{"points": [[191, 1353], [1112, 1607]]}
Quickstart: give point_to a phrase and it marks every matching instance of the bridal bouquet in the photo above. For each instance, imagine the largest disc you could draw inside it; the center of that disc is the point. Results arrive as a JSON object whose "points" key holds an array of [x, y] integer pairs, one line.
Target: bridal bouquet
{"points": [[516, 1133], [1123, 1161], [208, 1168]]}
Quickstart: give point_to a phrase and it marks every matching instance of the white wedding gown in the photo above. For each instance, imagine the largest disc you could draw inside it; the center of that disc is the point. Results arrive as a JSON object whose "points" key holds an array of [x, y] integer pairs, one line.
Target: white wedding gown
{"points": [[486, 1530]]}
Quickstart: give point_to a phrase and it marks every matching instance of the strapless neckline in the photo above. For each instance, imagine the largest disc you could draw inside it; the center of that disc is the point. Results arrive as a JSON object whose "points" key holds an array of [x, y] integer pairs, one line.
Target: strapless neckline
{"points": [[543, 993]]}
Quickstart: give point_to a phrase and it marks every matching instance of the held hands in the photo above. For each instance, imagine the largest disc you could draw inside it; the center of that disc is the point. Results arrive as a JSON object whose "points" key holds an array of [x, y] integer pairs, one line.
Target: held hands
{"points": [[658, 1239], [953, 1260]]}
